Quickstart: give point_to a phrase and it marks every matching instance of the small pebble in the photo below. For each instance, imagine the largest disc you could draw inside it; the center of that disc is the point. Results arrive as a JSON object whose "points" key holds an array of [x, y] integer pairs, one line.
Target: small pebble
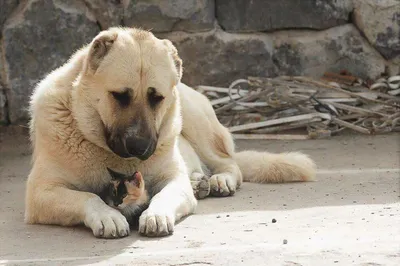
{"points": [[218, 216], [273, 220], [284, 241], [227, 215]]}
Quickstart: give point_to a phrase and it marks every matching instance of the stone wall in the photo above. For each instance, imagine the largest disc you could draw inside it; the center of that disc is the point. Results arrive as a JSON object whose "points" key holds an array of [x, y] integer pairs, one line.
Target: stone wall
{"points": [[218, 40]]}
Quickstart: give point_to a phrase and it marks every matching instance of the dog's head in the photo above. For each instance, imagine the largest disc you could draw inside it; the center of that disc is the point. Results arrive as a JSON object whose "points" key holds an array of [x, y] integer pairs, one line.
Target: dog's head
{"points": [[126, 90]]}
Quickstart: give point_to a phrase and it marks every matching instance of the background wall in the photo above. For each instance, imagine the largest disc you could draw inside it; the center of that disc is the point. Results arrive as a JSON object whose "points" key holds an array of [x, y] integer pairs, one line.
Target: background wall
{"points": [[218, 40]]}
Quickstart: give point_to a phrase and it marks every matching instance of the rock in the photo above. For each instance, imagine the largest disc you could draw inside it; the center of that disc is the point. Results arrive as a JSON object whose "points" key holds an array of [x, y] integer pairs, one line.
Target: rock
{"points": [[108, 13], [312, 53], [267, 15], [164, 16], [47, 33], [218, 58], [394, 67], [380, 23], [6, 7]]}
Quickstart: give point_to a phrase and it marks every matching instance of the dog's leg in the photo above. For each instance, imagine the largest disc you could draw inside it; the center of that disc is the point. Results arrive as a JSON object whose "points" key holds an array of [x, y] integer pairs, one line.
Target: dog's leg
{"points": [[48, 202], [199, 180], [174, 201], [210, 140]]}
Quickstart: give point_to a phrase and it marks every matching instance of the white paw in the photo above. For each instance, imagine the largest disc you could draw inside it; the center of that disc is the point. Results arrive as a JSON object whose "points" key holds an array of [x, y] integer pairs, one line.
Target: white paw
{"points": [[222, 185], [156, 223], [105, 221], [201, 187]]}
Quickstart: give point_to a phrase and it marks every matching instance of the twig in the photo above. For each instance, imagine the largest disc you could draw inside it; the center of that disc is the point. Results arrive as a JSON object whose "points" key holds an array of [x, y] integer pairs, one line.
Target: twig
{"points": [[279, 121], [271, 136]]}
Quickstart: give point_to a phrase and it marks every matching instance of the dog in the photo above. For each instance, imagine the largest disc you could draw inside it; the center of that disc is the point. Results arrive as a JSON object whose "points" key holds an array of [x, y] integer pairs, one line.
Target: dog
{"points": [[119, 103]]}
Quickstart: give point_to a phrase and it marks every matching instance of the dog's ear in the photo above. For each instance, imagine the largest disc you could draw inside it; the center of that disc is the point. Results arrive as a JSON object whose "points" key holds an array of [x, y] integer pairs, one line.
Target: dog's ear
{"points": [[116, 175], [99, 48], [177, 60]]}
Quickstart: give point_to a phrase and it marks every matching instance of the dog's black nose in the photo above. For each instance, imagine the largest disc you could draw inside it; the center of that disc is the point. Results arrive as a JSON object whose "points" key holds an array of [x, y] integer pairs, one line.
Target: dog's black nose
{"points": [[141, 148]]}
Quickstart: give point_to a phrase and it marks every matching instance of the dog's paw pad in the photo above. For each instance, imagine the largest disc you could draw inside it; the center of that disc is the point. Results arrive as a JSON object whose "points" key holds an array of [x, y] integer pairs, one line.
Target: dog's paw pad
{"points": [[156, 225], [222, 185], [201, 188], [104, 221]]}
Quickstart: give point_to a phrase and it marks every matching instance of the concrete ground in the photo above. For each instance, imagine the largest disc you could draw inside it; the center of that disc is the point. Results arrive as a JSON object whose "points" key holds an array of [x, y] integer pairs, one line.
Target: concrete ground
{"points": [[350, 216]]}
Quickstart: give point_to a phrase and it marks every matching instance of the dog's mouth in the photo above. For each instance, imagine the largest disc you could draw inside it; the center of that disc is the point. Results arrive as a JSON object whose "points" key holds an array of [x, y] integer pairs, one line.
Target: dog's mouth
{"points": [[131, 145]]}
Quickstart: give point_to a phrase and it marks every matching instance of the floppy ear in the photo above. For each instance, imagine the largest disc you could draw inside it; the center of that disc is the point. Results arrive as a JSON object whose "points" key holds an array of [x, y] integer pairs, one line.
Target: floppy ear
{"points": [[99, 48], [116, 175], [177, 60]]}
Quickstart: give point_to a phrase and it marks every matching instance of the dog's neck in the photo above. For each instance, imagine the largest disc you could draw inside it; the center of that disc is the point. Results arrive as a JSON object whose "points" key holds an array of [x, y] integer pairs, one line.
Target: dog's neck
{"points": [[172, 124], [87, 118]]}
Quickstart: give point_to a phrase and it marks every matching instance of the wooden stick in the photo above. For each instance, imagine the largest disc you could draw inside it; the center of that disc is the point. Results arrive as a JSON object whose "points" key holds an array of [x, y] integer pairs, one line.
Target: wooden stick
{"points": [[279, 121], [219, 89], [293, 125], [246, 98], [270, 137], [355, 109], [350, 125], [394, 92], [338, 100], [318, 83], [225, 99]]}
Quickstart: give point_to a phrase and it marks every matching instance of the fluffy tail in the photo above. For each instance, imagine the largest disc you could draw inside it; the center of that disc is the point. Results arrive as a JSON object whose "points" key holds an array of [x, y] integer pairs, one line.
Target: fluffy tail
{"points": [[264, 167]]}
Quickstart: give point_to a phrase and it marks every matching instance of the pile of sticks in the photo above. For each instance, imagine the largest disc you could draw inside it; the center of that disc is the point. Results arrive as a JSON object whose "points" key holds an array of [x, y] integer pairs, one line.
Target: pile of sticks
{"points": [[267, 108]]}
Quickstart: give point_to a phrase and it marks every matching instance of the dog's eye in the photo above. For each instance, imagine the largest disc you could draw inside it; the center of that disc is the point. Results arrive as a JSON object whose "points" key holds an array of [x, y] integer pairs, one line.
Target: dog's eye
{"points": [[123, 98], [154, 97]]}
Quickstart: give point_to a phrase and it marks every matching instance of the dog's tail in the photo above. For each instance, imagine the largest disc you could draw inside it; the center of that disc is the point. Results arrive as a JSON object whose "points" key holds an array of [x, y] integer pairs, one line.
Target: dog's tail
{"points": [[264, 167]]}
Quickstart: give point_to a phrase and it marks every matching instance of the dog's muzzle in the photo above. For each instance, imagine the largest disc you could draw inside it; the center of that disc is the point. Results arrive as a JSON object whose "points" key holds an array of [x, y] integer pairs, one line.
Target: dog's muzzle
{"points": [[133, 143]]}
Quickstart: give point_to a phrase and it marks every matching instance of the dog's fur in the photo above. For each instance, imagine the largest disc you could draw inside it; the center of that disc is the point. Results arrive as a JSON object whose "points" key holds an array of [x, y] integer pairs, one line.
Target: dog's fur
{"points": [[77, 127]]}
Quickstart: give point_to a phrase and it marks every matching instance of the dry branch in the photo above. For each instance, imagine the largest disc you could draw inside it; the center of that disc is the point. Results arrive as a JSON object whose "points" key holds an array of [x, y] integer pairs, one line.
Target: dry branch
{"points": [[255, 107]]}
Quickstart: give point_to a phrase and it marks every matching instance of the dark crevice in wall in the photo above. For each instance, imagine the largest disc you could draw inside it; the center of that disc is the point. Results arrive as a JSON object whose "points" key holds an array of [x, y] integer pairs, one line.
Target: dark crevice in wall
{"points": [[216, 17], [6, 109], [99, 25], [90, 8], [351, 20], [3, 86]]}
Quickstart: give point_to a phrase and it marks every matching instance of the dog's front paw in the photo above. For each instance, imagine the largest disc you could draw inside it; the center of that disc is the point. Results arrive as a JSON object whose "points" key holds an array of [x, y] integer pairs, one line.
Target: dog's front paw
{"points": [[201, 187], [156, 223], [222, 185], [105, 221]]}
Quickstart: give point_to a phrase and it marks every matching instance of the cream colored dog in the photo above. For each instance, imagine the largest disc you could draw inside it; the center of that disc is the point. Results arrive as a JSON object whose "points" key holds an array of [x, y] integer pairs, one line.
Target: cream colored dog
{"points": [[118, 103]]}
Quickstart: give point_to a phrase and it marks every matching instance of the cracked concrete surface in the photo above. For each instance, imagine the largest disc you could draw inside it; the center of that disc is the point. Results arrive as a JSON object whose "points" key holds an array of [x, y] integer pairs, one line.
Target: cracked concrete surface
{"points": [[350, 216]]}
